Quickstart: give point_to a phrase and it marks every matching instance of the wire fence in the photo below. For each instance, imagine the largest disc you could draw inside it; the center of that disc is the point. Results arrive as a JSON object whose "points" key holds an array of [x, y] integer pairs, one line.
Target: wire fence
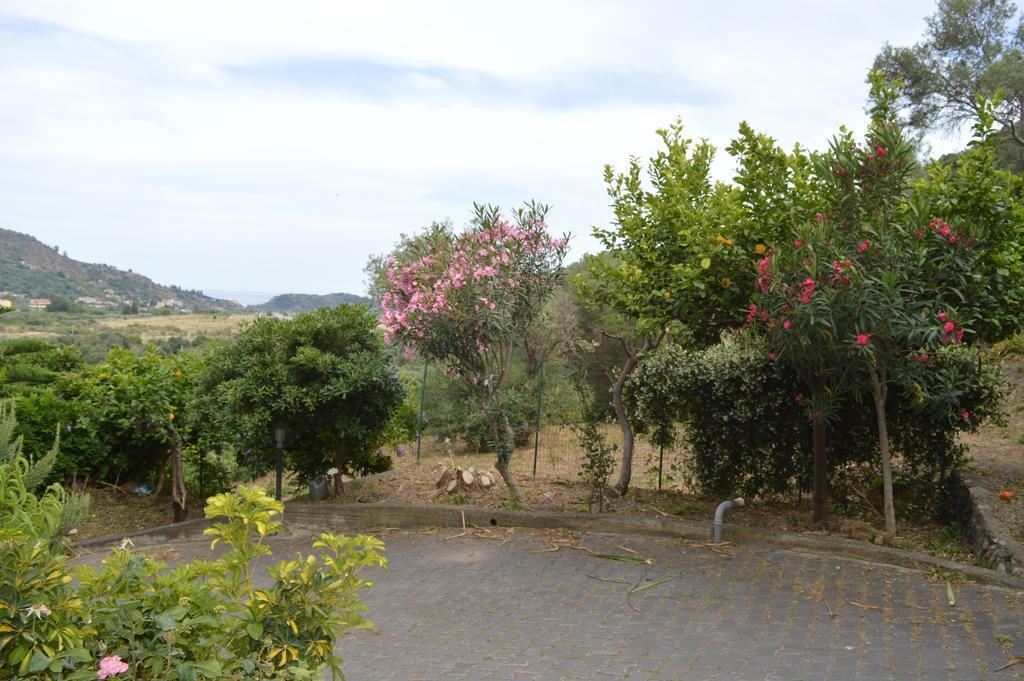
{"points": [[546, 445]]}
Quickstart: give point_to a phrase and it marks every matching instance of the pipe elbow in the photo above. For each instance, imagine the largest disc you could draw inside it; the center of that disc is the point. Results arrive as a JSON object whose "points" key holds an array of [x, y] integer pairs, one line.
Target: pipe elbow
{"points": [[720, 514]]}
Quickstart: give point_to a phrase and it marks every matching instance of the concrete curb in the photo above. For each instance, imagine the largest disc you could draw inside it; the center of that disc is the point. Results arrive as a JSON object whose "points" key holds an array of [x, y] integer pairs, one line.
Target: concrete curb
{"points": [[178, 530], [349, 517], [365, 516], [986, 535], [150, 534]]}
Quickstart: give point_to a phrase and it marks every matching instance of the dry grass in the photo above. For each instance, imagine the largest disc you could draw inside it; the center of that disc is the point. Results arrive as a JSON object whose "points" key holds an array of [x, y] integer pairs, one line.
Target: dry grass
{"points": [[998, 454], [185, 325], [117, 511]]}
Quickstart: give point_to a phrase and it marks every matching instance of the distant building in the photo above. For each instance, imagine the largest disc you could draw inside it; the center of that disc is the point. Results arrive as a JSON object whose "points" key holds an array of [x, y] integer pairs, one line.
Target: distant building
{"points": [[6, 304], [39, 303], [169, 302]]}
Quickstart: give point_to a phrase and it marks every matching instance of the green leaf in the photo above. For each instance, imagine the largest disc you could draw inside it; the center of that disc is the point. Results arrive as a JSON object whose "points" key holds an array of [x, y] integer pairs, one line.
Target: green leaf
{"points": [[705, 263], [624, 559], [39, 662], [648, 585], [255, 630]]}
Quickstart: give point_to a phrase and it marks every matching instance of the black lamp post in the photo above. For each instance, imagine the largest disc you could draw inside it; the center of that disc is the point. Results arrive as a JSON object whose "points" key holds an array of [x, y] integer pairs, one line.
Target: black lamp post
{"points": [[280, 434]]}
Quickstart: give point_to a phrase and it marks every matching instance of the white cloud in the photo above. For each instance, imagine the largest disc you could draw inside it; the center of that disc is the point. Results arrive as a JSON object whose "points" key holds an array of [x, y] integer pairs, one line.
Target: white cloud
{"points": [[249, 146]]}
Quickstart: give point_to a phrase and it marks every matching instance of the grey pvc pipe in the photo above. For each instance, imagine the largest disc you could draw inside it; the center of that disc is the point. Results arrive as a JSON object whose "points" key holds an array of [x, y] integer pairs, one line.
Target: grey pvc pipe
{"points": [[720, 515]]}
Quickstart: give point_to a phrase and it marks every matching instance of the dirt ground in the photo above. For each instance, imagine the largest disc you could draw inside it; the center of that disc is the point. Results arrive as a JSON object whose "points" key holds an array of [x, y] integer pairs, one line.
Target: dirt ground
{"points": [[998, 455]]}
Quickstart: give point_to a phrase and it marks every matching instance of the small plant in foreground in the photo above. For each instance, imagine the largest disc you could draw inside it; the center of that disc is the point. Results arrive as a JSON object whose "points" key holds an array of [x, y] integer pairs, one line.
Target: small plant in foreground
{"points": [[198, 620], [598, 462]]}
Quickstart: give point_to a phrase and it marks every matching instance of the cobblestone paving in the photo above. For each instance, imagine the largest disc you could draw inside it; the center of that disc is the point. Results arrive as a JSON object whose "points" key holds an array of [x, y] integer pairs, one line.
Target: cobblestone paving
{"points": [[474, 608]]}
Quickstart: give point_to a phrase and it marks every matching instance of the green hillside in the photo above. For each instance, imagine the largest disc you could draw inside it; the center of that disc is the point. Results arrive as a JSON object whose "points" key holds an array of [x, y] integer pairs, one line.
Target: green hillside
{"points": [[292, 303], [31, 269]]}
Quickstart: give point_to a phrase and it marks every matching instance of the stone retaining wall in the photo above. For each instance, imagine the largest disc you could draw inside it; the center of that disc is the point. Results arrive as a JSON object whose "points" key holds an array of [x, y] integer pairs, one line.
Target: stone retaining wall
{"points": [[986, 535]]}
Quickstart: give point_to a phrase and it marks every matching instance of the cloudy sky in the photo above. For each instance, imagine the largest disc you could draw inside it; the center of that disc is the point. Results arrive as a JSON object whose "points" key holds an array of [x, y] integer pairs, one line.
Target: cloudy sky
{"points": [[272, 147]]}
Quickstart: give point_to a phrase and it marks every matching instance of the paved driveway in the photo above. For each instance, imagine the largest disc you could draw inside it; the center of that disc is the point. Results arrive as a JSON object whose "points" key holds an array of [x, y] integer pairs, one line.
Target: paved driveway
{"points": [[506, 608]]}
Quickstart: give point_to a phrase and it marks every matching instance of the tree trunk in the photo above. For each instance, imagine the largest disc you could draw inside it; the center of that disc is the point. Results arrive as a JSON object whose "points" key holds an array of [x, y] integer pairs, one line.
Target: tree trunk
{"points": [[880, 390], [820, 493], [626, 472], [179, 501], [163, 474], [506, 440]]}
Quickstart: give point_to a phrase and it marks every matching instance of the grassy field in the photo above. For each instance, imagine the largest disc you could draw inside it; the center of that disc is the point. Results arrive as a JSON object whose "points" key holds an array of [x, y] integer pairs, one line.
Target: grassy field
{"points": [[185, 325], [23, 324]]}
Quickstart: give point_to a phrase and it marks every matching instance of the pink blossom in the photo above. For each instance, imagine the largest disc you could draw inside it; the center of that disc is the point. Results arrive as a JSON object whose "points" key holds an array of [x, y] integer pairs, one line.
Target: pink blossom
{"points": [[820, 217], [799, 398], [942, 315], [864, 245], [772, 356], [944, 230], [798, 243], [862, 339], [965, 415], [787, 325], [880, 152], [949, 327], [111, 666]]}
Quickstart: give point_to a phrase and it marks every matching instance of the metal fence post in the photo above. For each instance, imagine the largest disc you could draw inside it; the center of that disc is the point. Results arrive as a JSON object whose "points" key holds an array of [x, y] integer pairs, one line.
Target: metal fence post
{"points": [[661, 463], [423, 395], [536, 427]]}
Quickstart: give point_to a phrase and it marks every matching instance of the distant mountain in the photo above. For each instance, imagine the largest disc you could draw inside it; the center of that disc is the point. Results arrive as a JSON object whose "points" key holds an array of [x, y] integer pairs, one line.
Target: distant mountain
{"points": [[32, 269], [291, 303]]}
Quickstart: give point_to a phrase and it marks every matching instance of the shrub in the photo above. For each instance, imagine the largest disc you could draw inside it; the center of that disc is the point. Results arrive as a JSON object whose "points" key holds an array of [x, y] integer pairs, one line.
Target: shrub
{"points": [[746, 418], [598, 461], [325, 374], [199, 620]]}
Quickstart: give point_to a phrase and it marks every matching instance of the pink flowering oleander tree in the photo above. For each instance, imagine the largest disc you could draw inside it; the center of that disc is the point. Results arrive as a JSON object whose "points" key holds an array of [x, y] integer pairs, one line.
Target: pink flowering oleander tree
{"points": [[864, 296], [467, 300]]}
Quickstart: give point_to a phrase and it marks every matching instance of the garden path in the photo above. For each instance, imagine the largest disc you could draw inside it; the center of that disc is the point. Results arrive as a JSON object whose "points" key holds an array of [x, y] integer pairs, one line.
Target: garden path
{"points": [[503, 605]]}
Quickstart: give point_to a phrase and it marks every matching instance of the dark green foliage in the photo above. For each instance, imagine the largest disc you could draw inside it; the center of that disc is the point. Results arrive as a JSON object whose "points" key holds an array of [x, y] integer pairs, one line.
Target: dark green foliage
{"points": [[746, 417], [61, 304], [29, 364], [325, 373]]}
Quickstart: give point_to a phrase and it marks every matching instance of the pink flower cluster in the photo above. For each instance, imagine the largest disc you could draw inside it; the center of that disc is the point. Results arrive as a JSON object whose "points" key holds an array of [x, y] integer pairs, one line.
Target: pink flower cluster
{"points": [[940, 227], [951, 332], [753, 314], [839, 274], [111, 666], [476, 275], [807, 290], [764, 277]]}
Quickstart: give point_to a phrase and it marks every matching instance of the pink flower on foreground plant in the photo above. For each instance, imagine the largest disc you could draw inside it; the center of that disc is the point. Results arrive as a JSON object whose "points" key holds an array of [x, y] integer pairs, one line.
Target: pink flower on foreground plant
{"points": [[787, 325], [965, 415], [772, 356], [111, 666], [862, 339], [864, 245]]}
